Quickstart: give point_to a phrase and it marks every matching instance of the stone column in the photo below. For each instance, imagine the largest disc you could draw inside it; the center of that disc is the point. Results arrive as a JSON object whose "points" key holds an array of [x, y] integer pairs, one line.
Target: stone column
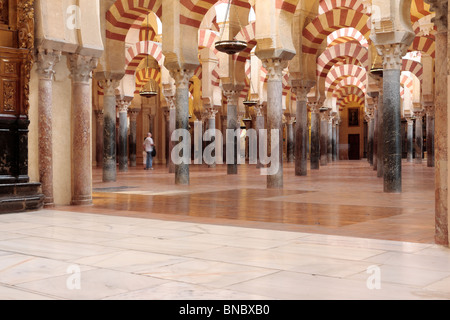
{"points": [[429, 110], [370, 120], [259, 125], [290, 139], [418, 141], [182, 78], [409, 135], [81, 68], [380, 137], [375, 138], [274, 69], [330, 139], [211, 118], [232, 93], [171, 125], [46, 61], [392, 167], [315, 136], [133, 136], [334, 141], [441, 121], [123, 105], [109, 86], [100, 117], [323, 138], [301, 130]]}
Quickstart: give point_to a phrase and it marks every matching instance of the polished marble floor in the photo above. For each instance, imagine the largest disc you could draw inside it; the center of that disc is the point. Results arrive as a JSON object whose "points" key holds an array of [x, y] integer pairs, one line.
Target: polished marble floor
{"points": [[330, 235]]}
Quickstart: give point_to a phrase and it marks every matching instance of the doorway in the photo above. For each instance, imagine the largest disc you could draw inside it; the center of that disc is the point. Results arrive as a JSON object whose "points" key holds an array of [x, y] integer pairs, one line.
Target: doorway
{"points": [[354, 147]]}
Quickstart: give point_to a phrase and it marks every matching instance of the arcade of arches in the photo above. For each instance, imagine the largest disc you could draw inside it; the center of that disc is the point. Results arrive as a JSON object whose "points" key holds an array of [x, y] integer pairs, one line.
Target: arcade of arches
{"points": [[356, 88]]}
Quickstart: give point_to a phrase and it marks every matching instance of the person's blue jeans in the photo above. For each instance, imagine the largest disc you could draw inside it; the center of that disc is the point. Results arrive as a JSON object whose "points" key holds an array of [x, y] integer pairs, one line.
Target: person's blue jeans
{"points": [[149, 163]]}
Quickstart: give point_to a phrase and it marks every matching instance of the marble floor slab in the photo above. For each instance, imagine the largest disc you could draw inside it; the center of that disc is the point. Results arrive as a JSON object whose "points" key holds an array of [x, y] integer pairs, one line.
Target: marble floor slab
{"points": [[60, 255]]}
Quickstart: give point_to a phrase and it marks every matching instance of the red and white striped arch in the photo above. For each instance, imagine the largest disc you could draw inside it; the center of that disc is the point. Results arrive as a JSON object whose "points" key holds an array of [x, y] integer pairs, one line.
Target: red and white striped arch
{"points": [[424, 44], [406, 83], [349, 99], [419, 9], [349, 82], [145, 75], [328, 5], [123, 14], [337, 74], [414, 67], [246, 34], [347, 35], [146, 33], [139, 51], [323, 25], [356, 52]]}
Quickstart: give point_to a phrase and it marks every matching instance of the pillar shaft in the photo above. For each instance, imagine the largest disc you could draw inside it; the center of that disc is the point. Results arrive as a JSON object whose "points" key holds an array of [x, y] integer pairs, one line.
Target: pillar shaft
{"points": [[334, 142], [301, 131], [182, 78], [370, 140], [418, 141], [323, 139], [123, 135], [430, 136], [259, 125], [232, 95], [81, 68], [99, 138], [330, 140], [46, 62], [409, 140], [133, 137], [290, 140], [315, 136], [375, 139], [275, 118]]}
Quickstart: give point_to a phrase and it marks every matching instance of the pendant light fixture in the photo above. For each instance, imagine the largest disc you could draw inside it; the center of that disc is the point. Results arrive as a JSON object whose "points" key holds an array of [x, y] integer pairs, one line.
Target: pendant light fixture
{"points": [[148, 90], [249, 102], [231, 46]]}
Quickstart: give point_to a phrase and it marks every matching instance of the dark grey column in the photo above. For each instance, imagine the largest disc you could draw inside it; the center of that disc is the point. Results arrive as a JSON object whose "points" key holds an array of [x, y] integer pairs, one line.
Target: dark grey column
{"points": [[330, 139], [133, 136], [259, 125], [375, 138], [231, 92], [301, 130], [109, 129], [418, 141], [371, 121], [290, 139], [323, 138], [430, 135], [123, 134], [275, 116], [380, 137], [315, 136], [182, 77], [99, 137], [212, 126], [409, 139], [334, 142]]}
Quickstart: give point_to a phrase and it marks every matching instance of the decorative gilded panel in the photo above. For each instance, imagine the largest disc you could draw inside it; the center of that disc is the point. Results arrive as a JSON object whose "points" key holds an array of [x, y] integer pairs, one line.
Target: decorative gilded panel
{"points": [[9, 96]]}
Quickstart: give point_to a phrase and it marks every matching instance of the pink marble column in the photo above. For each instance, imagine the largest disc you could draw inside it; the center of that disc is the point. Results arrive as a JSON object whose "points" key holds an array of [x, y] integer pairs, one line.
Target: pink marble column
{"points": [[81, 68], [46, 61], [99, 137]]}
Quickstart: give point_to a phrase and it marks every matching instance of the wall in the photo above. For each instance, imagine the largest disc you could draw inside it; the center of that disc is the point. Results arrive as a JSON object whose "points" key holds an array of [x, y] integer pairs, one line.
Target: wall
{"points": [[345, 130]]}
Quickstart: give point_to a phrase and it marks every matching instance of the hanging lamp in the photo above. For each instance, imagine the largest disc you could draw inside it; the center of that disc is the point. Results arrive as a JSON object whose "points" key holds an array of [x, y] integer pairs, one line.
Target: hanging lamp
{"points": [[376, 68], [148, 90], [249, 102], [232, 46]]}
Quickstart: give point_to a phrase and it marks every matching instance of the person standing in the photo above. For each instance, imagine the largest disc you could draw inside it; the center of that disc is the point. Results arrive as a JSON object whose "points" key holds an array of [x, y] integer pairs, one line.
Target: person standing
{"points": [[148, 147]]}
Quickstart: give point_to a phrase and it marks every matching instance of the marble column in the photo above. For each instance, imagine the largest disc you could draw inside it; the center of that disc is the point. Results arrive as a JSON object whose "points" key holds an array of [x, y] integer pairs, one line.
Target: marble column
{"points": [[232, 93], [315, 136], [429, 110], [275, 69], [418, 141], [370, 120], [109, 86], [323, 138], [211, 118], [441, 121], [81, 68], [259, 125], [182, 77], [380, 137], [290, 139], [330, 139], [100, 120], [301, 130], [123, 105], [409, 139], [171, 126], [334, 141], [133, 136], [46, 61], [392, 147]]}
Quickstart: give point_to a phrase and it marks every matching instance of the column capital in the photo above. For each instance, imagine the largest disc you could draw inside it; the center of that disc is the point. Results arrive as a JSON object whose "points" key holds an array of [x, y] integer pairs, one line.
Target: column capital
{"points": [[211, 112], [46, 61], [109, 86], [123, 105], [182, 77], [314, 106], [232, 94], [274, 67], [419, 113], [259, 110], [301, 91], [429, 109], [409, 120], [440, 7], [392, 55], [81, 67]]}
